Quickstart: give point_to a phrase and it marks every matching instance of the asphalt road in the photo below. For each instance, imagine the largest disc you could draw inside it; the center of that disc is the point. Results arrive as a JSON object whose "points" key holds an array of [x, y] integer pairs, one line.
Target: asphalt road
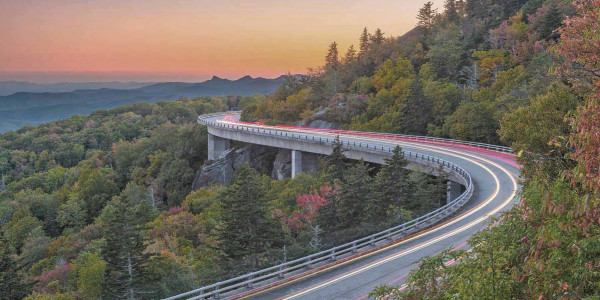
{"points": [[495, 180]]}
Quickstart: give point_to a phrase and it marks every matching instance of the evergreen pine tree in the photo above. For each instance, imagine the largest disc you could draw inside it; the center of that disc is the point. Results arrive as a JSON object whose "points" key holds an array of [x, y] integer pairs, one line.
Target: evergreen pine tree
{"points": [[439, 185], [350, 54], [337, 161], [377, 38], [364, 42], [450, 11], [390, 188], [12, 282], [332, 58], [123, 222], [417, 109], [475, 9], [426, 16], [422, 197], [427, 192], [354, 191], [247, 228], [551, 20]]}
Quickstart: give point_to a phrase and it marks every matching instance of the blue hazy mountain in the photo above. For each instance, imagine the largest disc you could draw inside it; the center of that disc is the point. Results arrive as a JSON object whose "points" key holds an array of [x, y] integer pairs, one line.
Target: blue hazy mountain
{"points": [[11, 87], [27, 108]]}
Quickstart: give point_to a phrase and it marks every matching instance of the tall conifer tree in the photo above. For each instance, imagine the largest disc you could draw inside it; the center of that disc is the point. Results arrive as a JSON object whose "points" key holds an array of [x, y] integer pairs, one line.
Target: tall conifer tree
{"points": [[12, 282], [450, 11], [426, 16], [247, 228], [377, 38], [390, 188], [364, 42], [337, 161], [332, 58], [417, 109], [354, 190], [123, 221]]}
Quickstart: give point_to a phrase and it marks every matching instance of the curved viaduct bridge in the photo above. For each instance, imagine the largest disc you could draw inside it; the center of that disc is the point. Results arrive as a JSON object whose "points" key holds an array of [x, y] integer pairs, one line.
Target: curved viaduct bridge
{"points": [[483, 182]]}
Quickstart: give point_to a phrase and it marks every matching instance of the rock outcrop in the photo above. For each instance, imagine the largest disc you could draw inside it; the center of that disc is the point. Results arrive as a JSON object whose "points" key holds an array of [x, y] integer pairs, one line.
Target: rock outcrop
{"points": [[322, 124], [282, 166], [220, 171]]}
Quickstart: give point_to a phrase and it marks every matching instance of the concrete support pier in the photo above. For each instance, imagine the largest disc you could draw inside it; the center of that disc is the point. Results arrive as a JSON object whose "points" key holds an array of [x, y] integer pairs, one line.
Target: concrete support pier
{"points": [[454, 190], [216, 146], [303, 162]]}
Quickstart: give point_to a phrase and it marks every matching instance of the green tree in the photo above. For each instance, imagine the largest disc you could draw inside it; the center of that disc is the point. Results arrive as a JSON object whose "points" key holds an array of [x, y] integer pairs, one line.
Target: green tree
{"points": [[21, 226], [177, 177], [337, 162], [390, 188], [4, 169], [90, 270], [446, 52], [377, 38], [473, 121], [450, 11], [13, 284], [419, 192], [426, 16], [417, 110], [68, 154], [247, 226], [95, 188], [539, 131], [332, 58], [354, 191], [364, 42], [550, 22], [123, 222], [350, 55], [72, 214]]}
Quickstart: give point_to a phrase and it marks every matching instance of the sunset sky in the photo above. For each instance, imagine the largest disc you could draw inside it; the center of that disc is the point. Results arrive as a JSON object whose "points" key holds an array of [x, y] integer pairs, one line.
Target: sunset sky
{"points": [[184, 40]]}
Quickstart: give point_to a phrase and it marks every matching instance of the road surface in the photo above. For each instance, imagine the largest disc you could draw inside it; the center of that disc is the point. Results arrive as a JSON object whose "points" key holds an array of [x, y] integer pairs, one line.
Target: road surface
{"points": [[494, 176]]}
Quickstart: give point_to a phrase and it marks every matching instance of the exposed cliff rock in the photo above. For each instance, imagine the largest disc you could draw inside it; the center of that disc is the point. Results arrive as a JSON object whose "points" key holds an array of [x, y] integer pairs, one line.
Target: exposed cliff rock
{"points": [[220, 171], [282, 166], [323, 124]]}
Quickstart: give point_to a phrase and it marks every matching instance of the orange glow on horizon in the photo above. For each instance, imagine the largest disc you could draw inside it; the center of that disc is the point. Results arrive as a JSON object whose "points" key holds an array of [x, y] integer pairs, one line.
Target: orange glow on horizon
{"points": [[198, 38]]}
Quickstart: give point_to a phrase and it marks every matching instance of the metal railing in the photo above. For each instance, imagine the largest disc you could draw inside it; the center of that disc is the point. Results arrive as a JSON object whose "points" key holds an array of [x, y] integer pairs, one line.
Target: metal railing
{"points": [[278, 272], [502, 149]]}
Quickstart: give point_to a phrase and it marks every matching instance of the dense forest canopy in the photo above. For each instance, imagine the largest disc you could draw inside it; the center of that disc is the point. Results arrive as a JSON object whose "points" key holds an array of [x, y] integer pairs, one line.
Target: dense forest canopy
{"points": [[523, 73], [101, 206], [539, 66]]}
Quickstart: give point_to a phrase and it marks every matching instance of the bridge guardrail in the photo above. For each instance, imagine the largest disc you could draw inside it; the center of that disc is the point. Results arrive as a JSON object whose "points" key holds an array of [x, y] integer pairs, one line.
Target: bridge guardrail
{"points": [[503, 149], [397, 232]]}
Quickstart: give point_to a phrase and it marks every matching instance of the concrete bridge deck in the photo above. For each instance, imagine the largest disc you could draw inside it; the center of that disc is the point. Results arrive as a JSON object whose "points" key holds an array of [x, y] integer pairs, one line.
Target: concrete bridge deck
{"points": [[494, 180]]}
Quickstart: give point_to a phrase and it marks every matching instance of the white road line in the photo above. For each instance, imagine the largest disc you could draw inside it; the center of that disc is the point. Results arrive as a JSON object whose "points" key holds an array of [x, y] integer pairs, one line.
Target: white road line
{"points": [[430, 242], [446, 151]]}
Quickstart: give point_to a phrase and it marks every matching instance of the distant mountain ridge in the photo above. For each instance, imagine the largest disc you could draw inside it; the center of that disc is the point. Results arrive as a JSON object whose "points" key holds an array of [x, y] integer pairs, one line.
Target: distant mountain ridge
{"points": [[35, 108], [11, 87]]}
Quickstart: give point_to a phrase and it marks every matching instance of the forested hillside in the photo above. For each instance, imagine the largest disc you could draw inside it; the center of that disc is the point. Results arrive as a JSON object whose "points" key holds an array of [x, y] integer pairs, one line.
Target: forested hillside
{"points": [[543, 84], [101, 206], [457, 75], [522, 73]]}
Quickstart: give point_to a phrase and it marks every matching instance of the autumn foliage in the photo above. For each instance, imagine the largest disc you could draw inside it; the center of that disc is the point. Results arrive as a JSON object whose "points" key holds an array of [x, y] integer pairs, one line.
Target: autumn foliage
{"points": [[309, 205], [580, 47]]}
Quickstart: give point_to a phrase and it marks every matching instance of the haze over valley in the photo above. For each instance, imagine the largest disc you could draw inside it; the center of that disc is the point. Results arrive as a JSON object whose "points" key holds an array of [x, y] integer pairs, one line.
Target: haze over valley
{"points": [[444, 149], [38, 103]]}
